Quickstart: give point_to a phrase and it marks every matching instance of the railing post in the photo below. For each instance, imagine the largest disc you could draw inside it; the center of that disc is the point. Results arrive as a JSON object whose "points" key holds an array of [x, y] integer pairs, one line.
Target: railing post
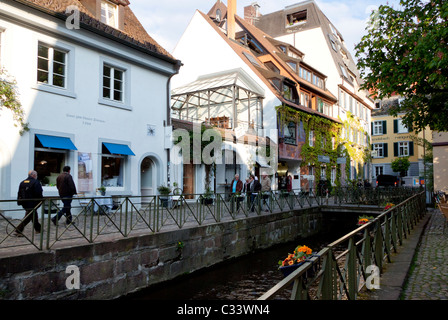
{"points": [[367, 249], [378, 245], [327, 287], [352, 270], [298, 293]]}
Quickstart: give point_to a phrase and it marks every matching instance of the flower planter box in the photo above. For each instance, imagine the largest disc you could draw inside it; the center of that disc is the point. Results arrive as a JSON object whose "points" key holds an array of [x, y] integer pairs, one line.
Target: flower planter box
{"points": [[287, 270]]}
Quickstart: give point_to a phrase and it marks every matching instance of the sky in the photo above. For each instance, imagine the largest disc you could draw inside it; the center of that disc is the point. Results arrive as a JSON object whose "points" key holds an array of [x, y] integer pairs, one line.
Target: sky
{"points": [[166, 20]]}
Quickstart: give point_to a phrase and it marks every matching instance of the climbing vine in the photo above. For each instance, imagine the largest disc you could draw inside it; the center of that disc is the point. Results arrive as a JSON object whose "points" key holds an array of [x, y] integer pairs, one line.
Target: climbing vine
{"points": [[9, 99], [326, 140]]}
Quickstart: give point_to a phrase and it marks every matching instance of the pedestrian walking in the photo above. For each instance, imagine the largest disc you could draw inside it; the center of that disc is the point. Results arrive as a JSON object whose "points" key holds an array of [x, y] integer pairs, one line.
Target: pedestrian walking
{"points": [[67, 189], [29, 197]]}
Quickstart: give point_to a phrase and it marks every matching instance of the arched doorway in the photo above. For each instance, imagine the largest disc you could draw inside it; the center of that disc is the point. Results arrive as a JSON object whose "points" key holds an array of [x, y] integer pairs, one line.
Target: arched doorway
{"points": [[148, 179]]}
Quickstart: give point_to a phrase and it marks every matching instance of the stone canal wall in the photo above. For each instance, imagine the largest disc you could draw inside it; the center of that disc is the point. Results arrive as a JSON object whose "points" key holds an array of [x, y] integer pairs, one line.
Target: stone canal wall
{"points": [[112, 269]]}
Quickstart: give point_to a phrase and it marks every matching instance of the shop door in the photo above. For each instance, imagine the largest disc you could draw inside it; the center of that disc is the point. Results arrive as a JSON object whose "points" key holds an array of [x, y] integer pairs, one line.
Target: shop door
{"points": [[189, 176]]}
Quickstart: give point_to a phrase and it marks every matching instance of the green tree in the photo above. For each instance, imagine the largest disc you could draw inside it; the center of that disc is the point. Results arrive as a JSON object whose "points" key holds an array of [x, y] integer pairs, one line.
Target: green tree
{"points": [[405, 51], [401, 165], [9, 99]]}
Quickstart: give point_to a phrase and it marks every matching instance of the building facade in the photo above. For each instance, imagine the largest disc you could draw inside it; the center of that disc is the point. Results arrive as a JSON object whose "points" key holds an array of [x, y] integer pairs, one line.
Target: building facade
{"points": [[94, 88], [284, 108], [440, 160], [391, 140], [305, 26]]}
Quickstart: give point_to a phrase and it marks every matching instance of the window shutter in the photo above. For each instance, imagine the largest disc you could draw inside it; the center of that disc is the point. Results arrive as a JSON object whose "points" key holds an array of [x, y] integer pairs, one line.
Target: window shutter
{"points": [[385, 150], [371, 125], [395, 149], [384, 127], [411, 148], [395, 126]]}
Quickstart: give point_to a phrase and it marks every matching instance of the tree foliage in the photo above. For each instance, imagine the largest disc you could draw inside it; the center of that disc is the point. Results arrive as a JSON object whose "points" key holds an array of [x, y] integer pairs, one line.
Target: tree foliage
{"points": [[405, 52], [9, 99]]}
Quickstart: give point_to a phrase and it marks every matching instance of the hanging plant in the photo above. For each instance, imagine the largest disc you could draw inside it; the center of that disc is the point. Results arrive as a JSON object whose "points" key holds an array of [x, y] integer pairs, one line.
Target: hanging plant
{"points": [[9, 99]]}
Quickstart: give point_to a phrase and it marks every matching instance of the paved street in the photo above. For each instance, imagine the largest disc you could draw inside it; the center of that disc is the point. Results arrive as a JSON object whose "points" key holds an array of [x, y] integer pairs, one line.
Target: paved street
{"points": [[419, 271], [428, 278]]}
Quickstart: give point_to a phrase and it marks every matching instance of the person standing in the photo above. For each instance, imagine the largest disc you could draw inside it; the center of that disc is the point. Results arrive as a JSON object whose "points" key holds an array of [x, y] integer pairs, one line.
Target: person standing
{"points": [[254, 188], [30, 188], [236, 186], [67, 189], [265, 188]]}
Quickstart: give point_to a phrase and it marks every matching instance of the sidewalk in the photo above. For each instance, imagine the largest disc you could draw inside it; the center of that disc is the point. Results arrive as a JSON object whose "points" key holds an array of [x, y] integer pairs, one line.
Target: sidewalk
{"points": [[419, 271]]}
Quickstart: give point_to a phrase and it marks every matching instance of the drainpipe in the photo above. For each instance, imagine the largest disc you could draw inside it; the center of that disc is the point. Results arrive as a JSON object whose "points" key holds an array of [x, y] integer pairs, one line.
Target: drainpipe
{"points": [[168, 115]]}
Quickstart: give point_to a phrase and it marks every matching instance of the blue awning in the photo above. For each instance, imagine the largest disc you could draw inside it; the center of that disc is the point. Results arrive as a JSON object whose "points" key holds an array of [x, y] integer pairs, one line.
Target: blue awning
{"points": [[122, 149], [56, 142]]}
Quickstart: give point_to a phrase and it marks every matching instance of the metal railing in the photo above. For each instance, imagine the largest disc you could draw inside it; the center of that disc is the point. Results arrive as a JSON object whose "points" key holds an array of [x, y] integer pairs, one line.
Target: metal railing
{"points": [[340, 270], [93, 221]]}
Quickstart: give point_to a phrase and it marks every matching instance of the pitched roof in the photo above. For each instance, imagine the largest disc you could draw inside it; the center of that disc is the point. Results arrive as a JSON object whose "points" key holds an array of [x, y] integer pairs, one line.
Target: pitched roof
{"points": [[133, 33]]}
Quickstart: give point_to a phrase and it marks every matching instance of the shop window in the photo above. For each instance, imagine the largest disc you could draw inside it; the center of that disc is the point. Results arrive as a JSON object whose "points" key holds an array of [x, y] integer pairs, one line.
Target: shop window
{"points": [[51, 154], [111, 169], [289, 133]]}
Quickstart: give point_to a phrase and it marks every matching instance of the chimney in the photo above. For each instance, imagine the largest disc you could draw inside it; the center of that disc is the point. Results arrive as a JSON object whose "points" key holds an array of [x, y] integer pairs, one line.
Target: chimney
{"points": [[231, 11], [252, 13]]}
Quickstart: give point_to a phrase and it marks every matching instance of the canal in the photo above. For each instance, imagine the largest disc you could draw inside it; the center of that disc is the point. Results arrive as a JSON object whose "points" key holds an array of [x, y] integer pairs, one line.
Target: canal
{"points": [[243, 278]]}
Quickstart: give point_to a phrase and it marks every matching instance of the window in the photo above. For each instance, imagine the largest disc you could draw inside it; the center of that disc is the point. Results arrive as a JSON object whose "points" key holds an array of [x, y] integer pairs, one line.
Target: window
{"points": [[293, 65], [333, 176], [311, 138], [296, 18], [317, 81], [113, 160], [380, 150], [51, 66], [403, 149], [379, 127], [323, 172], [332, 43], [320, 105], [289, 133], [399, 127], [344, 72], [305, 99], [304, 74], [109, 13], [1, 39], [51, 154], [113, 83], [378, 170]]}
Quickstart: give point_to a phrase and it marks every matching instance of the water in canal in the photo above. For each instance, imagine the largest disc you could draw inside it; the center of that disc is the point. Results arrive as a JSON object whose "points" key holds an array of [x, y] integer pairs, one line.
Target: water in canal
{"points": [[243, 278]]}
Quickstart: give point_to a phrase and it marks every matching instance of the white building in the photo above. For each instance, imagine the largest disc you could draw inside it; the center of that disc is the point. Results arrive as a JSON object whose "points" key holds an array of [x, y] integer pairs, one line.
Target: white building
{"points": [[96, 97]]}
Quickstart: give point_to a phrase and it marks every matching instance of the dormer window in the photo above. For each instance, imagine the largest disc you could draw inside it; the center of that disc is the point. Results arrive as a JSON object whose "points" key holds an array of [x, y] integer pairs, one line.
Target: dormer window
{"points": [[296, 18], [109, 13]]}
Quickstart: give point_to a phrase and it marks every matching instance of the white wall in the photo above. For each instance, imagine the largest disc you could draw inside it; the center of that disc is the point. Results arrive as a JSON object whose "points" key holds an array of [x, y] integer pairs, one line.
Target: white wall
{"points": [[77, 112]]}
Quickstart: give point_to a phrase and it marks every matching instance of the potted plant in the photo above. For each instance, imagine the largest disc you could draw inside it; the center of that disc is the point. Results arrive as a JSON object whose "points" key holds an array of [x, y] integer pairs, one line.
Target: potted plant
{"points": [[164, 192], [294, 260], [207, 197], [363, 220], [101, 190]]}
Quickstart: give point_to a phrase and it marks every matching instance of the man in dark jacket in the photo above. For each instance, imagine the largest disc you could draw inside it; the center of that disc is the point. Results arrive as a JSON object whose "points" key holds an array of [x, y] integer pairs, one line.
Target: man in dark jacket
{"points": [[254, 189], [67, 189], [30, 188]]}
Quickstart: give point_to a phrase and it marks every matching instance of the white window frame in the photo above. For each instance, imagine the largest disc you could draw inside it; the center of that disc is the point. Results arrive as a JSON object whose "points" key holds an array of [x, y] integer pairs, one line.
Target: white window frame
{"points": [[311, 138], [69, 89], [51, 62], [125, 103], [401, 128], [379, 148], [2, 38], [403, 149], [378, 170], [377, 128], [108, 7]]}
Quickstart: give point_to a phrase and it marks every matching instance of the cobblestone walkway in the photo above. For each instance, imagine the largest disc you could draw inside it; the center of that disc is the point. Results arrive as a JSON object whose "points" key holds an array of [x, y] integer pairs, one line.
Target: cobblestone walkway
{"points": [[428, 278]]}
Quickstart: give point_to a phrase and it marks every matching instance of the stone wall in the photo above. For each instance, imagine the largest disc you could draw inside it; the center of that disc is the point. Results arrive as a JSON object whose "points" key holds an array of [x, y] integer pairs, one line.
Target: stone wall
{"points": [[112, 269]]}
